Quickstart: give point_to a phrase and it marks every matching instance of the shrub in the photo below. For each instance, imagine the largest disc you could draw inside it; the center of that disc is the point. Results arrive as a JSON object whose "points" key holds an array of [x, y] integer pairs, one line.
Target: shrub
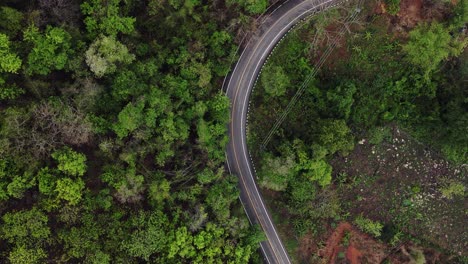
{"points": [[371, 227], [453, 189], [378, 134]]}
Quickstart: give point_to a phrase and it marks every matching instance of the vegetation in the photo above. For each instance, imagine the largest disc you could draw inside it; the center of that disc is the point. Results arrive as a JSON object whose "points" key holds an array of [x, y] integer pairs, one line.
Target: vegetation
{"points": [[113, 132], [388, 90]]}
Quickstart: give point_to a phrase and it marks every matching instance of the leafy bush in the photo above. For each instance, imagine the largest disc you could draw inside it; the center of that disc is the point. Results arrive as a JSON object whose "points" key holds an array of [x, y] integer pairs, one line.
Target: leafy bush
{"points": [[70, 162], [378, 134], [393, 6], [371, 227], [453, 189]]}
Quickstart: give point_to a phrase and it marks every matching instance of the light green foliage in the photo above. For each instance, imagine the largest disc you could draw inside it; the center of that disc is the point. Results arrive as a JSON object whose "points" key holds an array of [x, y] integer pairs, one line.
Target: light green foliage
{"points": [[13, 182], [22, 254], [9, 91], [105, 17], [25, 227], [318, 171], [181, 246], [70, 190], [371, 227], [453, 189], [428, 45], [393, 6], [10, 20], [276, 172], [274, 80], [208, 175], [50, 50], [105, 54], [130, 118], [9, 62], [335, 136], [70, 162], [460, 15], [150, 236], [20, 184], [251, 6]]}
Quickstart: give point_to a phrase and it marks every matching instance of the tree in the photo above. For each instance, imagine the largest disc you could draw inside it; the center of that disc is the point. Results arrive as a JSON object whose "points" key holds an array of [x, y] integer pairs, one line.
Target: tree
{"points": [[22, 254], [318, 171], [129, 119], [25, 227], [221, 195], [10, 20], [340, 100], [105, 54], [9, 62], [334, 136], [46, 181], [274, 80], [159, 191], [428, 45], [50, 51], [151, 235], [251, 6], [104, 17], [70, 162], [276, 172], [70, 190]]}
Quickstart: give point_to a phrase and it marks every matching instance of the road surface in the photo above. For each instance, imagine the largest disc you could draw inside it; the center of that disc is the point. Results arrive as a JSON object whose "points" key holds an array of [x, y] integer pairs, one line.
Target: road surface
{"points": [[238, 89]]}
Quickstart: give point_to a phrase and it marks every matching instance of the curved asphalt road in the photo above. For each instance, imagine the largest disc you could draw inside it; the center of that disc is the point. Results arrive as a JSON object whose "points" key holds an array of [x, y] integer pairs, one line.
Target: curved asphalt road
{"points": [[239, 87]]}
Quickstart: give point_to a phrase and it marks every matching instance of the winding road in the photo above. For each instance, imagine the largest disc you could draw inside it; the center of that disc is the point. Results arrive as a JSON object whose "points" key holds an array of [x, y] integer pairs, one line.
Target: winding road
{"points": [[239, 87]]}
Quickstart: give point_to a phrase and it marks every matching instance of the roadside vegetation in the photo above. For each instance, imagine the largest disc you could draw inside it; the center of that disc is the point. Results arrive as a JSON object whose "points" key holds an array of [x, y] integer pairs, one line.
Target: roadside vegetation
{"points": [[378, 139], [113, 132]]}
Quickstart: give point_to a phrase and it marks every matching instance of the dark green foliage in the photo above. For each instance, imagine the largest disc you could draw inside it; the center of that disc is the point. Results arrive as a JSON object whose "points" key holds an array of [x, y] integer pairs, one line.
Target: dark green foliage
{"points": [[50, 51], [393, 6], [105, 18], [274, 80], [113, 130], [10, 20]]}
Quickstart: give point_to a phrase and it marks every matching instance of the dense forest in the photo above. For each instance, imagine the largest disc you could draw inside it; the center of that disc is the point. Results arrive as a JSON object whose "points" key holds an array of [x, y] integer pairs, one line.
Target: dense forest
{"points": [[377, 139], [113, 132]]}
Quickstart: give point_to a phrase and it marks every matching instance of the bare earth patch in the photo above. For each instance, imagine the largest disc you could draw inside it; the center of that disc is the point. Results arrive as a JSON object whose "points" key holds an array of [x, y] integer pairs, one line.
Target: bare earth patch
{"points": [[400, 183]]}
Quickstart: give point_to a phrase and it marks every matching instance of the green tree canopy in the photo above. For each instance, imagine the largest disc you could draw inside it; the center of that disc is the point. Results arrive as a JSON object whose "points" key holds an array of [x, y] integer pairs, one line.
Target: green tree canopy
{"points": [[105, 54], [50, 50], [25, 227], [275, 80], [70, 190], [104, 17], [429, 44], [70, 162], [9, 62], [10, 20]]}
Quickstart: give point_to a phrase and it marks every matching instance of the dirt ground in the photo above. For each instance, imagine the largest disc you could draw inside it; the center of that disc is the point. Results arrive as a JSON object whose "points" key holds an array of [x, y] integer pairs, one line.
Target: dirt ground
{"points": [[356, 248], [399, 183]]}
